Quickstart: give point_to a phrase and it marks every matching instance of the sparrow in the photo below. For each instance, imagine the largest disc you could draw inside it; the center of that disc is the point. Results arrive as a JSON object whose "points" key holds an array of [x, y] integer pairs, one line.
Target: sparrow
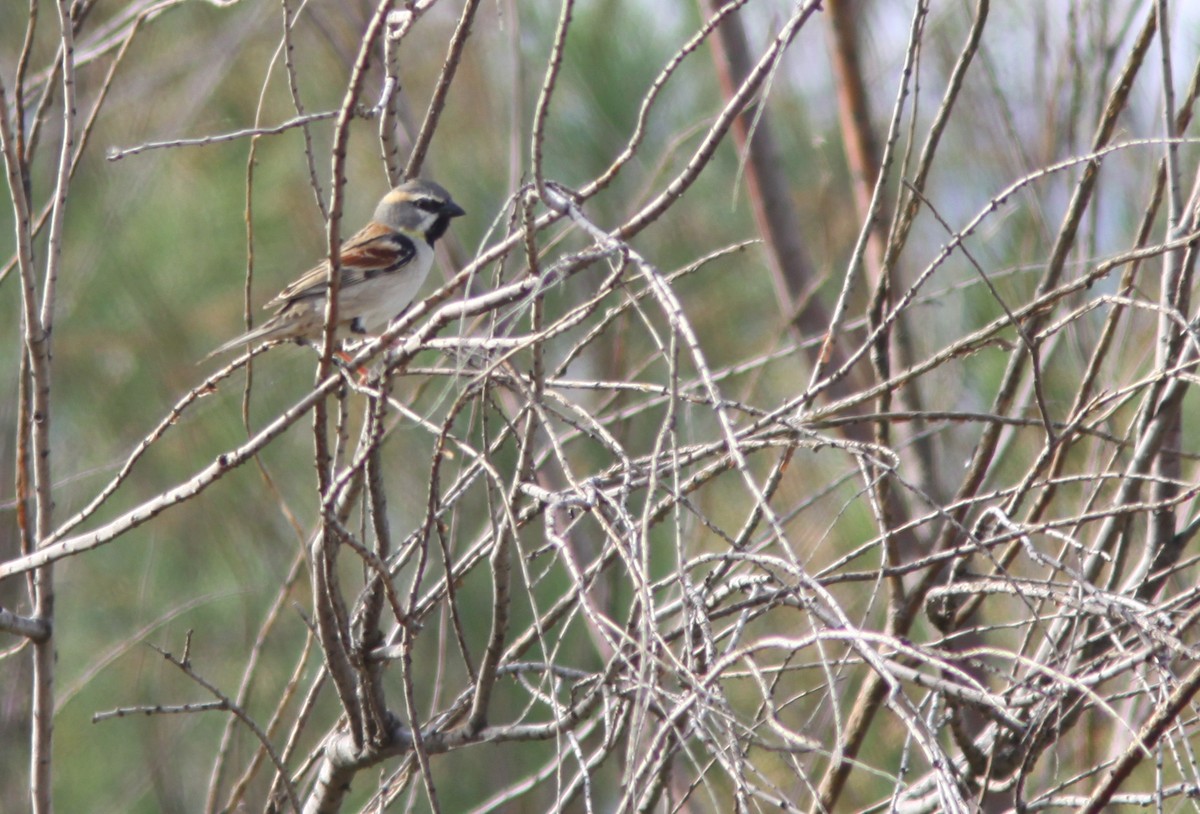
{"points": [[382, 267]]}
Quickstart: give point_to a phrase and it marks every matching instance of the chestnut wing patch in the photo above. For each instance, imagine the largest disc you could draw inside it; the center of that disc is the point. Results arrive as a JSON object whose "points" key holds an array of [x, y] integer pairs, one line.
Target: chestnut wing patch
{"points": [[382, 255], [361, 260]]}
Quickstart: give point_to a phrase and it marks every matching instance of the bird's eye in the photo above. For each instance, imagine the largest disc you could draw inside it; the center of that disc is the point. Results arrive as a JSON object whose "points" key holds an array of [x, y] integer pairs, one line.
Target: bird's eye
{"points": [[428, 204]]}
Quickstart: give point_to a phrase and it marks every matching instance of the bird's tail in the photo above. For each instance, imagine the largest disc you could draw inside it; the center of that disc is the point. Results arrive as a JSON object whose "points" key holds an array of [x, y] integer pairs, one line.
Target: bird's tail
{"points": [[265, 331]]}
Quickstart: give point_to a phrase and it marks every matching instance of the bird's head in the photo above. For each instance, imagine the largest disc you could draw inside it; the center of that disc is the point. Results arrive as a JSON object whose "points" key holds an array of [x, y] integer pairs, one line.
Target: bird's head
{"points": [[418, 206]]}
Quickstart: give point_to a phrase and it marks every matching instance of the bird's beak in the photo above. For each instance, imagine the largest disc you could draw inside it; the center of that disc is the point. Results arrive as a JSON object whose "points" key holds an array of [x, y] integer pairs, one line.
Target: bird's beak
{"points": [[452, 210]]}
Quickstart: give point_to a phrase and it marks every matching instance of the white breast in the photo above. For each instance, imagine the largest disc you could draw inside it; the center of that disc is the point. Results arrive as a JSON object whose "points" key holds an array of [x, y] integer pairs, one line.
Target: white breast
{"points": [[377, 301]]}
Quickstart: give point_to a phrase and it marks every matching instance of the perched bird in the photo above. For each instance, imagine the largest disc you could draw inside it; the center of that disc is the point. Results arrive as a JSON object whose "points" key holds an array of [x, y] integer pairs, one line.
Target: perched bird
{"points": [[382, 268]]}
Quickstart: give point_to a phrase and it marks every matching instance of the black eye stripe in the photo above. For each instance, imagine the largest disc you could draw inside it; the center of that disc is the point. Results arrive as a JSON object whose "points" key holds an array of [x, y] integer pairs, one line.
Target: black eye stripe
{"points": [[428, 204]]}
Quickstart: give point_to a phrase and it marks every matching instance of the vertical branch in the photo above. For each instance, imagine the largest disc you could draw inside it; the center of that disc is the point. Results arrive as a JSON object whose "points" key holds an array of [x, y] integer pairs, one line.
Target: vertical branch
{"points": [[398, 24], [61, 181], [867, 171], [855, 265], [542, 111], [372, 604], [1173, 297], [438, 101], [854, 114], [328, 603], [505, 537], [770, 198], [501, 572], [369, 635], [341, 138], [289, 20], [907, 211], [38, 327], [1174, 195], [17, 174], [31, 438], [329, 615], [862, 156], [716, 132], [19, 84]]}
